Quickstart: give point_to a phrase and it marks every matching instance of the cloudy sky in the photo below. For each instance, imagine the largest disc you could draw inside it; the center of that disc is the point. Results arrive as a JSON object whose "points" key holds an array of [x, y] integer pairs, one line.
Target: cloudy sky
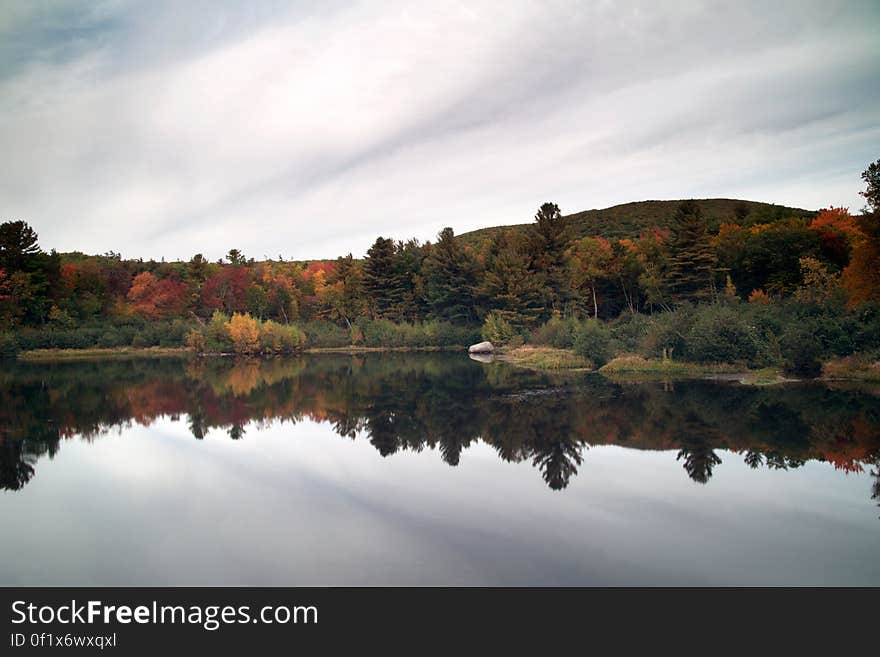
{"points": [[306, 129]]}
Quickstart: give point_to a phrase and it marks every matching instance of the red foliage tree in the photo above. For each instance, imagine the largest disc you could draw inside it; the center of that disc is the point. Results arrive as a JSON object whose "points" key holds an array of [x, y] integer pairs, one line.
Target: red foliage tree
{"points": [[227, 290], [157, 299]]}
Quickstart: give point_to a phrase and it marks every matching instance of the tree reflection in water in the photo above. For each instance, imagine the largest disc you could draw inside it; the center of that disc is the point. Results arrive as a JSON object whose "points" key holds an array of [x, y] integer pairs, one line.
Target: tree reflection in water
{"points": [[440, 402]]}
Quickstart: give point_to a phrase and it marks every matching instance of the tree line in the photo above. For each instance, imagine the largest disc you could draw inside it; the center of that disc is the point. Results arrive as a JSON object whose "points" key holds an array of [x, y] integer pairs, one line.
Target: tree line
{"points": [[516, 278]]}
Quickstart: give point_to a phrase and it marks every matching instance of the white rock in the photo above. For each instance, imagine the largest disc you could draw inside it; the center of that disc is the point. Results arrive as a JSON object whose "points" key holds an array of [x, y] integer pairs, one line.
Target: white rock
{"points": [[481, 348]]}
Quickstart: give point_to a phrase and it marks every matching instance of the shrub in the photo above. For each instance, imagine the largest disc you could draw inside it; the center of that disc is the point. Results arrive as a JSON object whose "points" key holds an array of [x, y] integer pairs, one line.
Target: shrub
{"points": [[556, 332], [8, 346], [326, 334], [196, 341], [279, 339], [111, 338], [629, 331], [719, 334], [593, 340], [801, 351], [496, 329], [217, 337], [665, 333]]}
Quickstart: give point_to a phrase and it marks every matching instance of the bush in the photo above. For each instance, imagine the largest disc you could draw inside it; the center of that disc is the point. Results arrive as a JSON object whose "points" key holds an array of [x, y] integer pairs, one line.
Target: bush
{"points": [[196, 341], [593, 340], [629, 331], [556, 332], [801, 350], [217, 337], [719, 334], [326, 334], [496, 329], [278, 339], [111, 338], [8, 346], [665, 333]]}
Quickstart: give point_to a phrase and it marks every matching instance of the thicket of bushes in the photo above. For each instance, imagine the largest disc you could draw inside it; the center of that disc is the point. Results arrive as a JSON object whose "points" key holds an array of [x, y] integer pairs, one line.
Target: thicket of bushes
{"points": [[246, 335], [135, 334], [384, 333], [794, 335]]}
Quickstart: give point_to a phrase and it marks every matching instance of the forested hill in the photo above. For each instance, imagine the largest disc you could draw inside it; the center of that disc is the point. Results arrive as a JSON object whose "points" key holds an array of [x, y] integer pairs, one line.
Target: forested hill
{"points": [[630, 219]]}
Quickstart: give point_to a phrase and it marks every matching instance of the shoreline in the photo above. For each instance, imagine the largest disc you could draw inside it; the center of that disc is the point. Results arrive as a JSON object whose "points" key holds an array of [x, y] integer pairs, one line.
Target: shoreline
{"points": [[626, 368]]}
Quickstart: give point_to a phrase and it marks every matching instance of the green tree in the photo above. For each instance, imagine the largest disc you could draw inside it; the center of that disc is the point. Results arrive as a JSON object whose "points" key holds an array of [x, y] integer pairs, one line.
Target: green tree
{"points": [[383, 281], [236, 257], [692, 258], [871, 176], [550, 237], [509, 286], [18, 243], [450, 279]]}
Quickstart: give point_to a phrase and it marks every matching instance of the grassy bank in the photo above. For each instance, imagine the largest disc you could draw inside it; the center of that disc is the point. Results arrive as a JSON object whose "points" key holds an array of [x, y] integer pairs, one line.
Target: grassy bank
{"points": [[858, 367], [360, 349], [545, 358], [101, 353]]}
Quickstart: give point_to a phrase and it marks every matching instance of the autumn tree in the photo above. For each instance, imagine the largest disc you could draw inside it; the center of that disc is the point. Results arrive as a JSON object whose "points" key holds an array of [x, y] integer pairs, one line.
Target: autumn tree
{"points": [[591, 258], [226, 290], [244, 331], [861, 278], [157, 299], [342, 294]]}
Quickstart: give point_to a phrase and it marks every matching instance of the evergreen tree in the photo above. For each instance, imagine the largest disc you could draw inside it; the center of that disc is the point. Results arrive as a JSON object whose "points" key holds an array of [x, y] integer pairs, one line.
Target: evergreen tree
{"points": [[382, 279], [691, 255], [409, 258], [550, 239], [18, 243], [509, 285], [450, 278]]}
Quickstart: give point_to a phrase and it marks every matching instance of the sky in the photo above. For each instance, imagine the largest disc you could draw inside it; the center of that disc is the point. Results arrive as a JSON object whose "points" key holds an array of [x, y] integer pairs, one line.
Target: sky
{"points": [[305, 130]]}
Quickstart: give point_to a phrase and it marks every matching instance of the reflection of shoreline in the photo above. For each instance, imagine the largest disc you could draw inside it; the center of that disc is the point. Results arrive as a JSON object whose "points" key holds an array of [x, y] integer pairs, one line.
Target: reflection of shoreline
{"points": [[444, 403]]}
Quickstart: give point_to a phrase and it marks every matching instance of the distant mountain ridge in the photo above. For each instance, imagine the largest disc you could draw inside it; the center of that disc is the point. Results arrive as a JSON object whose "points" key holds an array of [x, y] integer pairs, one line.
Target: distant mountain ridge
{"points": [[630, 219]]}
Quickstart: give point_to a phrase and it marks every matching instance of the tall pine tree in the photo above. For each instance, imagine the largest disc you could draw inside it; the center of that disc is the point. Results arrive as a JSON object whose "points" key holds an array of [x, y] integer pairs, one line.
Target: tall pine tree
{"points": [[550, 238], [450, 278], [691, 256], [509, 285], [382, 280]]}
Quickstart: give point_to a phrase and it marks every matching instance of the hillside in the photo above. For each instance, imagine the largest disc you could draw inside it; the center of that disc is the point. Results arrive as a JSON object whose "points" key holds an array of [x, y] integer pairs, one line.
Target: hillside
{"points": [[629, 219]]}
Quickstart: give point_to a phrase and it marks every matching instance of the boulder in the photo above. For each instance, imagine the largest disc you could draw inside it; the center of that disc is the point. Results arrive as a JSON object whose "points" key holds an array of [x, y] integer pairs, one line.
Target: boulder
{"points": [[481, 348]]}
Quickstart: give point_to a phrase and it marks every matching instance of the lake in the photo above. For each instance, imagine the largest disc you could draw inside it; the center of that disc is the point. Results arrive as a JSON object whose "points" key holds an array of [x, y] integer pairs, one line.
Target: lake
{"points": [[428, 468]]}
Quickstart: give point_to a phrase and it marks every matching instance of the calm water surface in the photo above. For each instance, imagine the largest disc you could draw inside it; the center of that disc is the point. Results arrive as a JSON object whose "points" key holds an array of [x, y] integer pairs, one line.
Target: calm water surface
{"points": [[428, 469]]}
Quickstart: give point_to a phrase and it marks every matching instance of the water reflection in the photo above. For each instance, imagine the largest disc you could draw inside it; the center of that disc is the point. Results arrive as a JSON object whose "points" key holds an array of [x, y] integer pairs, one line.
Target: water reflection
{"points": [[440, 402]]}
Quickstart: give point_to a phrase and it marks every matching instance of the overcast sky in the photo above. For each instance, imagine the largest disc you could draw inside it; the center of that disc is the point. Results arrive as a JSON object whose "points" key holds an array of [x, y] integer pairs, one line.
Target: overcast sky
{"points": [[307, 129]]}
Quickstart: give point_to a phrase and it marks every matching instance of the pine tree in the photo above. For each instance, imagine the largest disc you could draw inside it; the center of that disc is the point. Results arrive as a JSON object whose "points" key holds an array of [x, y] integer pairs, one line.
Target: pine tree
{"points": [[549, 238], [691, 256], [18, 243], [382, 281], [509, 285], [450, 278]]}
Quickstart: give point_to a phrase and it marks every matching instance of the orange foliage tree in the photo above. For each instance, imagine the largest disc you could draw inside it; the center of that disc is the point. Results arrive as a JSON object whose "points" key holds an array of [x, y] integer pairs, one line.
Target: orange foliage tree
{"points": [[157, 299]]}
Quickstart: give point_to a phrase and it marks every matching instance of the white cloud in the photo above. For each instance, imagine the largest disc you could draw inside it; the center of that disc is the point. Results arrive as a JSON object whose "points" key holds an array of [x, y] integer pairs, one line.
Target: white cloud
{"points": [[308, 134]]}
